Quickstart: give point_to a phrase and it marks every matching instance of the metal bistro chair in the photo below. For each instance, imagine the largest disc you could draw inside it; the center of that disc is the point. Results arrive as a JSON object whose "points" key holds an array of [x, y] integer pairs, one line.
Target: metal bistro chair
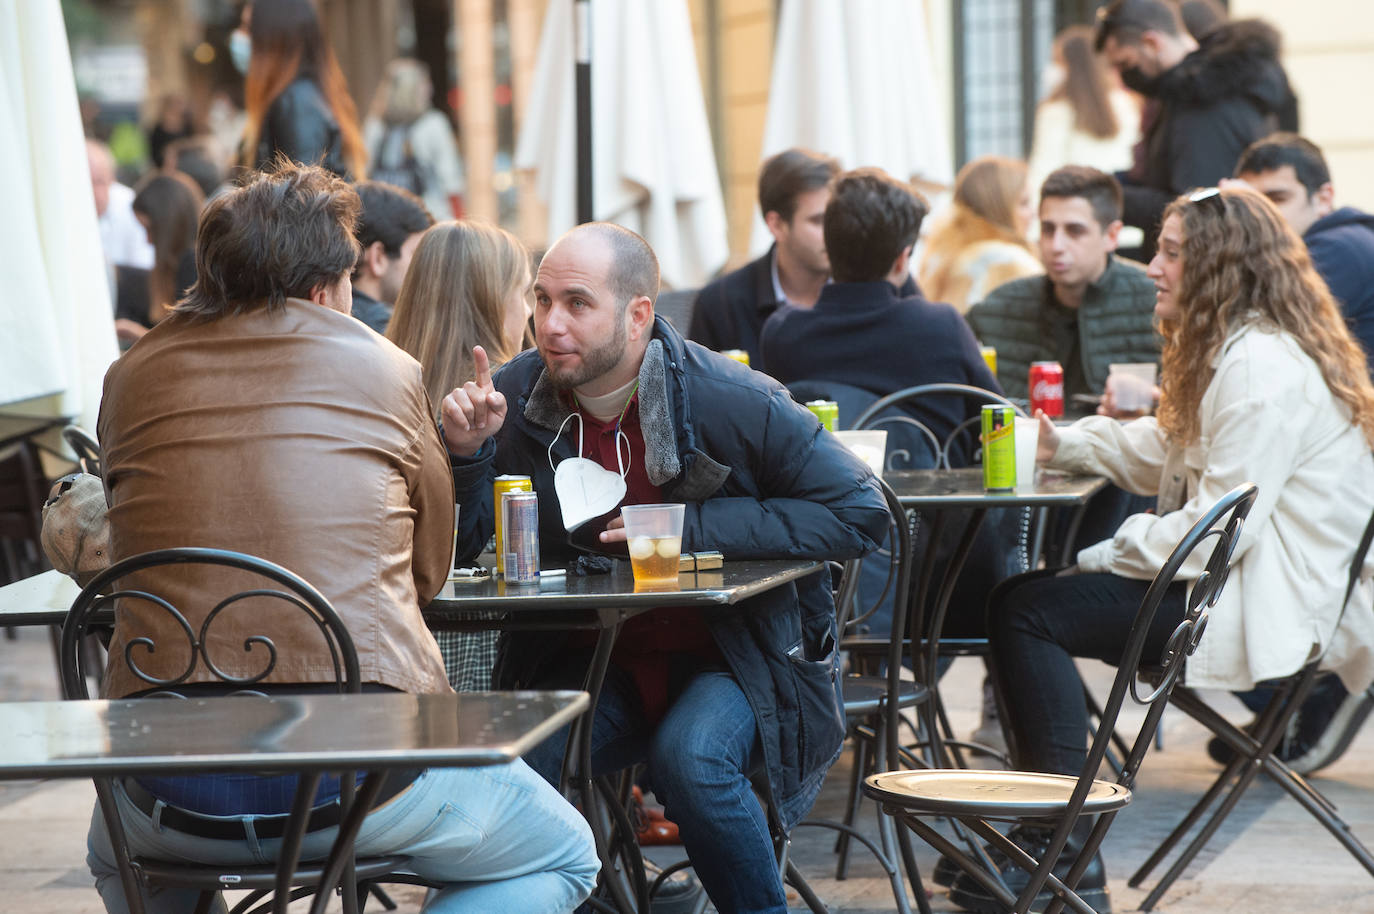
{"points": [[1010, 540], [1255, 750], [86, 448], [285, 881], [977, 798], [875, 717]]}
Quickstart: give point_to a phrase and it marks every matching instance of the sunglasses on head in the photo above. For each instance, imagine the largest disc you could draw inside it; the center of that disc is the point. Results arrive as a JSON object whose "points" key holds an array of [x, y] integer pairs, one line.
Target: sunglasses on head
{"points": [[1209, 197]]}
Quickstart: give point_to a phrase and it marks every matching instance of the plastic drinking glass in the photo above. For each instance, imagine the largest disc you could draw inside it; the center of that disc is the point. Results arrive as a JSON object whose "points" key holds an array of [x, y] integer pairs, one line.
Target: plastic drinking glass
{"points": [[869, 445], [1027, 440], [1132, 385], [654, 534]]}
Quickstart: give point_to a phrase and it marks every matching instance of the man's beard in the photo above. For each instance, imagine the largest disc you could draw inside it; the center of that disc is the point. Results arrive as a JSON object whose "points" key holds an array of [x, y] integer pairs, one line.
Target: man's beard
{"points": [[594, 363]]}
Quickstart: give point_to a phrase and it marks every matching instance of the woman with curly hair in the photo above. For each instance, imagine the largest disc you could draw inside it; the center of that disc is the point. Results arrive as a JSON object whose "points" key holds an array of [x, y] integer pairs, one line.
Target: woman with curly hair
{"points": [[296, 101], [1262, 382]]}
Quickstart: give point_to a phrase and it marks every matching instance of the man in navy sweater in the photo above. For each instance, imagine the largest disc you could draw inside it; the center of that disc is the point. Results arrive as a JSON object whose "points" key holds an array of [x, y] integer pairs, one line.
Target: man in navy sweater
{"points": [[862, 332], [1291, 171]]}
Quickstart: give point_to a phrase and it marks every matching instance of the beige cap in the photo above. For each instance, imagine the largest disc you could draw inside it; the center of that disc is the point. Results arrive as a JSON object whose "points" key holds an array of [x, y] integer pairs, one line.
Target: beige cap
{"points": [[76, 527]]}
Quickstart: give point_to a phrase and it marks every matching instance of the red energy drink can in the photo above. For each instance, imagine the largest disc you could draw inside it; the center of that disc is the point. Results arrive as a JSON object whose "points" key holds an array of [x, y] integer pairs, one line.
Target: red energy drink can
{"points": [[1047, 388]]}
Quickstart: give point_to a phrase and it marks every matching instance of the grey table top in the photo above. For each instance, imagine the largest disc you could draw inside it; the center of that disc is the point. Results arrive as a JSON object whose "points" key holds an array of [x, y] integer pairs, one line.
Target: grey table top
{"points": [[45, 739], [963, 488], [609, 597], [40, 600]]}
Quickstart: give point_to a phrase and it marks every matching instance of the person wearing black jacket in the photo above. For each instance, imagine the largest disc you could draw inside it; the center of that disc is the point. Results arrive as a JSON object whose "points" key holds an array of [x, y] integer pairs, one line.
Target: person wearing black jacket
{"points": [[1207, 100], [705, 697], [730, 311], [1292, 172]]}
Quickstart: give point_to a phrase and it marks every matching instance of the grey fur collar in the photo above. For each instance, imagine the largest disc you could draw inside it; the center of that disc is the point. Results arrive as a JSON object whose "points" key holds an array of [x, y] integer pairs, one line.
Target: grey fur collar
{"points": [[546, 409]]}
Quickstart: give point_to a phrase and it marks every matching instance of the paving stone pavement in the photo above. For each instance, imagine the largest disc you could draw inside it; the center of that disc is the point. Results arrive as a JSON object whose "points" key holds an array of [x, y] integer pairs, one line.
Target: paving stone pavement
{"points": [[1270, 857]]}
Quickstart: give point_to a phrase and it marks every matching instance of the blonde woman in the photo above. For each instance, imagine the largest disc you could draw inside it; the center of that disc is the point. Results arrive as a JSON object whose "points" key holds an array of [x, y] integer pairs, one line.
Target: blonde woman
{"points": [[1263, 383], [468, 285], [411, 143], [981, 242]]}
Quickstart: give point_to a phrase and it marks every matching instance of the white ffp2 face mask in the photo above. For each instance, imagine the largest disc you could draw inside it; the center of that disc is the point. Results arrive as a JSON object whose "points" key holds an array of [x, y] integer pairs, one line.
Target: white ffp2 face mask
{"points": [[586, 490]]}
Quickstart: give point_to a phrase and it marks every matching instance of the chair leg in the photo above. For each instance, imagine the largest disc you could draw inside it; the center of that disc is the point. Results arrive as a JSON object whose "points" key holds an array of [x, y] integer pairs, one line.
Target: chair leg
{"points": [[852, 808]]}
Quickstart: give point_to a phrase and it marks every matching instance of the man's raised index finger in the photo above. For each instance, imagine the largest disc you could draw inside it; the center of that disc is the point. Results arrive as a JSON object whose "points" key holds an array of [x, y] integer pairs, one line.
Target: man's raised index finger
{"points": [[482, 366]]}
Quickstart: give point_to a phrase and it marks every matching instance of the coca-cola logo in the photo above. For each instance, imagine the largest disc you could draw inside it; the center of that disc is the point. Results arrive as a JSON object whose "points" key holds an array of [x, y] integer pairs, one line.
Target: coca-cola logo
{"points": [[1047, 390]]}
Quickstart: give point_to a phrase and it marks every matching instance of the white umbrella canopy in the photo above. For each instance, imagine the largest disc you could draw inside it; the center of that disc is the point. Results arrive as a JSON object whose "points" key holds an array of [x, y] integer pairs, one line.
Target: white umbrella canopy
{"points": [[56, 323], [653, 168], [854, 79]]}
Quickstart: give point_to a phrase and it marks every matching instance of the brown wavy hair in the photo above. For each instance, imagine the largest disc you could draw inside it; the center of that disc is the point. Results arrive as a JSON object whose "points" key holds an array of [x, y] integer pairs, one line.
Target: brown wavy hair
{"points": [[289, 41], [454, 297], [1243, 264]]}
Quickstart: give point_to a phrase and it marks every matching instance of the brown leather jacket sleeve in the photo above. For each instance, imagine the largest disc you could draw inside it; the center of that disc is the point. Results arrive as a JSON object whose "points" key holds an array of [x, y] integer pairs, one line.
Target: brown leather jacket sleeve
{"points": [[431, 495]]}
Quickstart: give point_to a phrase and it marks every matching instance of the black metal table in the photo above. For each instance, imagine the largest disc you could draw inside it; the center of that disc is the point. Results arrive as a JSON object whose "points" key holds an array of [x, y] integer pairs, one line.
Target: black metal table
{"points": [[306, 734], [602, 603], [938, 491], [39, 600]]}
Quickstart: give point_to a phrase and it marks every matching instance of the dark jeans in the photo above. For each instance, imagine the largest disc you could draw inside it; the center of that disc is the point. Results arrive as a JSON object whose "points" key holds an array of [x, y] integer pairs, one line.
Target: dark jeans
{"points": [[699, 757], [1038, 624], [1102, 517]]}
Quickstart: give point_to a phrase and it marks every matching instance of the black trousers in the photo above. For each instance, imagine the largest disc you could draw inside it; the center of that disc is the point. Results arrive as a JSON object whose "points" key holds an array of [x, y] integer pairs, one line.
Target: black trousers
{"points": [[1038, 624]]}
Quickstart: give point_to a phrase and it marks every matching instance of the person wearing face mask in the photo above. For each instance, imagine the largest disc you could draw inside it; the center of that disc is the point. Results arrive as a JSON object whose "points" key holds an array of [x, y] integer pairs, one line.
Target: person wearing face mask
{"points": [[615, 396], [296, 100], [1085, 119], [1207, 100]]}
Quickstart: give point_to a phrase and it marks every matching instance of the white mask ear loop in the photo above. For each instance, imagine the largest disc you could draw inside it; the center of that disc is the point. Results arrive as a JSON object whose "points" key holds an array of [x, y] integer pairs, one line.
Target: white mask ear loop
{"points": [[624, 466], [581, 427]]}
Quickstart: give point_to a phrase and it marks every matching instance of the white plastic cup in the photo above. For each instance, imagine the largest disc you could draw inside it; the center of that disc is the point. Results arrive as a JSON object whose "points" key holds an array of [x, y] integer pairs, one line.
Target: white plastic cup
{"points": [[869, 445], [1027, 438], [654, 534], [1132, 385]]}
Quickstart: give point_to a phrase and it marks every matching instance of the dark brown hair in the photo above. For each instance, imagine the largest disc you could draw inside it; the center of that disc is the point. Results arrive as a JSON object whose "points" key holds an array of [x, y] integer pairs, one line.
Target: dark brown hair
{"points": [[789, 174], [1101, 190], [1085, 86], [288, 41], [285, 232], [171, 203], [1126, 20], [870, 219]]}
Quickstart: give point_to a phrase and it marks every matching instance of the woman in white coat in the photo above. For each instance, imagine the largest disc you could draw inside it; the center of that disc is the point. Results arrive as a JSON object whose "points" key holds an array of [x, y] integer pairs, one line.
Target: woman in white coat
{"points": [[1262, 382]]}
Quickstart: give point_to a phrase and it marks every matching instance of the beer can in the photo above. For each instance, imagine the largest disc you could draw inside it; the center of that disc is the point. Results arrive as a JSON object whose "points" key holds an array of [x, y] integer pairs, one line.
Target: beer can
{"points": [[1047, 388], [999, 448], [828, 411], [989, 354], [739, 355], [521, 526], [502, 486]]}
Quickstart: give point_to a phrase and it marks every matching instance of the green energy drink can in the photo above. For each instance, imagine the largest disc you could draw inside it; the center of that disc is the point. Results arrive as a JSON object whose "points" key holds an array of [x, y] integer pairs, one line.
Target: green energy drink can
{"points": [[739, 355], [828, 411], [999, 448], [503, 486]]}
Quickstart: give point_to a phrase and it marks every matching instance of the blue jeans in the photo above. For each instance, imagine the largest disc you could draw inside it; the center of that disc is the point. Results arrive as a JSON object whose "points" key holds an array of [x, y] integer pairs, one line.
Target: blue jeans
{"points": [[699, 757], [498, 838]]}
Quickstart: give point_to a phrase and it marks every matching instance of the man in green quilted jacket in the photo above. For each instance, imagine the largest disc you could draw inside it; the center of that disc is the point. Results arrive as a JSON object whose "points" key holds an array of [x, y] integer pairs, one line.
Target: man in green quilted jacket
{"points": [[1088, 310]]}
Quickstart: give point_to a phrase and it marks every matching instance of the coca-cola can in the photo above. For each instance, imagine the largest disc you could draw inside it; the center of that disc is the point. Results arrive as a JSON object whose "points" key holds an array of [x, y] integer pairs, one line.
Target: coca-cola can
{"points": [[1047, 388]]}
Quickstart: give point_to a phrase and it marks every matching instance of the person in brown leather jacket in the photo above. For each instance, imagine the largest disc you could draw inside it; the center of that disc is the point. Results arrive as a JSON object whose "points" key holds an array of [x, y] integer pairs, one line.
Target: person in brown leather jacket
{"points": [[260, 417]]}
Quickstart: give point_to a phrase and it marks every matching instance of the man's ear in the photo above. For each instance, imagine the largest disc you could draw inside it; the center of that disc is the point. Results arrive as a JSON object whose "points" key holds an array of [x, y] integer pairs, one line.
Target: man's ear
{"points": [[1112, 234], [374, 259], [776, 223], [320, 295], [639, 314], [1325, 198]]}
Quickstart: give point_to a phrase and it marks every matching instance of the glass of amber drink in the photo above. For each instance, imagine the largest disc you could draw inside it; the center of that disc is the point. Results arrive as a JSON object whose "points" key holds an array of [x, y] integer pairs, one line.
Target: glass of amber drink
{"points": [[654, 533]]}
